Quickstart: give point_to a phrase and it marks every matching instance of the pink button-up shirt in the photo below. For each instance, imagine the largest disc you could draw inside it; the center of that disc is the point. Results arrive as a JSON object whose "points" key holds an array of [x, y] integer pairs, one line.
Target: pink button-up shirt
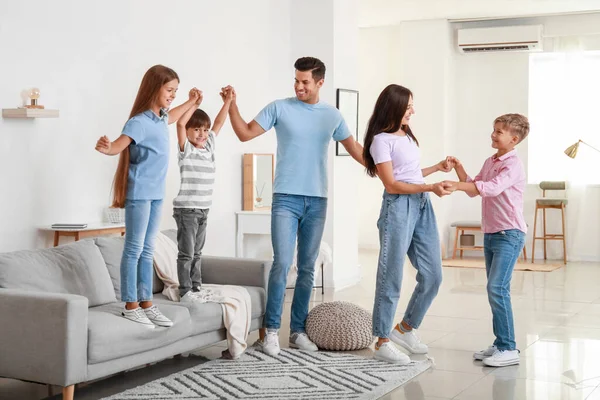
{"points": [[501, 184]]}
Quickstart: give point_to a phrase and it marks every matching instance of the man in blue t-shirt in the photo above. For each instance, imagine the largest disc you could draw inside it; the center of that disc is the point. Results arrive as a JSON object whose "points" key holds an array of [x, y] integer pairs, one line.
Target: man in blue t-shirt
{"points": [[304, 127]]}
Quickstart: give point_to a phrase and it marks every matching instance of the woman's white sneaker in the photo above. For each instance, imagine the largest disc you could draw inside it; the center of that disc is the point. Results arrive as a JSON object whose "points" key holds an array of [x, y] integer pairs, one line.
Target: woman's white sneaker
{"points": [[409, 341], [389, 353], [157, 318], [137, 315], [480, 355], [502, 358]]}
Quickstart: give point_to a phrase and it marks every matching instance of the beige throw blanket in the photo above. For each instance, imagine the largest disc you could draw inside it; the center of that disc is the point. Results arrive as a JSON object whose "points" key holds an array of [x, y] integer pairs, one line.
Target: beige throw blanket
{"points": [[235, 300]]}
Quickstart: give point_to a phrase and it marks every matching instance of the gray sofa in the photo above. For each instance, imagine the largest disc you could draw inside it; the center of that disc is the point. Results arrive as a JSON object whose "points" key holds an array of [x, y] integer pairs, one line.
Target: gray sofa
{"points": [[60, 313]]}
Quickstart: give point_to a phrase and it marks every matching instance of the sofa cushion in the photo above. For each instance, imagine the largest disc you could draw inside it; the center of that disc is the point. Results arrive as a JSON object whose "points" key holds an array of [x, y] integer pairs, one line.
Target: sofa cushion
{"points": [[74, 268], [112, 251], [110, 336], [208, 317]]}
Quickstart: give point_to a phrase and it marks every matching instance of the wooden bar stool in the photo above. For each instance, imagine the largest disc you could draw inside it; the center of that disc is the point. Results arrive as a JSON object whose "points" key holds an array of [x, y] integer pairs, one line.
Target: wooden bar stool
{"points": [[550, 203], [473, 226]]}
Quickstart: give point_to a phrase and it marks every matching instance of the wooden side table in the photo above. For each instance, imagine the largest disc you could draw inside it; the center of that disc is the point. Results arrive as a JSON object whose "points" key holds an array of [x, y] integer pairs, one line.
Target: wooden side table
{"points": [[91, 230]]}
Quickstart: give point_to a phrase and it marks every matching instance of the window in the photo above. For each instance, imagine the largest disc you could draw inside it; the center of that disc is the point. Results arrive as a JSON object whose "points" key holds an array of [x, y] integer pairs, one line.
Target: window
{"points": [[564, 107]]}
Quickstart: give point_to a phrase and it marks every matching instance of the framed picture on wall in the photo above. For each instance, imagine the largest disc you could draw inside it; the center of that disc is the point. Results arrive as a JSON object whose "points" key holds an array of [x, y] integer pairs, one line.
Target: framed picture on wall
{"points": [[347, 102]]}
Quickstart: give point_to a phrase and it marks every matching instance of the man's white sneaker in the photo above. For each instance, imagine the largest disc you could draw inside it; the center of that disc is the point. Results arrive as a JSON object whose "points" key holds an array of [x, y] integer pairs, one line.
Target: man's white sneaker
{"points": [[138, 315], [157, 318], [270, 344], [300, 340], [502, 358], [409, 341], [389, 353], [481, 354]]}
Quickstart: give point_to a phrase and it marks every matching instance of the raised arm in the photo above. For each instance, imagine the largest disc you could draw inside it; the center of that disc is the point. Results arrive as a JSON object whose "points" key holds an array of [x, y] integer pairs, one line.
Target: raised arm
{"points": [[244, 131], [227, 96], [178, 111], [392, 186], [181, 131]]}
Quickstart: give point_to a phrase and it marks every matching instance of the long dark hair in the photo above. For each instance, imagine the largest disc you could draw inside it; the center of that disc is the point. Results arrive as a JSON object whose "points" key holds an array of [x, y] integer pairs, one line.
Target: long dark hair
{"points": [[387, 117], [149, 89]]}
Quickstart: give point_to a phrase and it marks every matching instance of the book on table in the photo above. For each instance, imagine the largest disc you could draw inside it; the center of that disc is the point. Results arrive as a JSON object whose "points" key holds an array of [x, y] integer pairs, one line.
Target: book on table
{"points": [[69, 226]]}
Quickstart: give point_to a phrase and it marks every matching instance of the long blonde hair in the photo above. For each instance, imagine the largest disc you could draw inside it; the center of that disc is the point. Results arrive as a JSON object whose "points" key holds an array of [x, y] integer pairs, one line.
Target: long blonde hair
{"points": [[152, 82]]}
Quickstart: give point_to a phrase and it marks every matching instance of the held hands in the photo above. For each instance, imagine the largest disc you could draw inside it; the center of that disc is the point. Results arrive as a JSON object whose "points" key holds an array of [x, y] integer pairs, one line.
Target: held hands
{"points": [[228, 94], [441, 189], [196, 96], [103, 145], [448, 164]]}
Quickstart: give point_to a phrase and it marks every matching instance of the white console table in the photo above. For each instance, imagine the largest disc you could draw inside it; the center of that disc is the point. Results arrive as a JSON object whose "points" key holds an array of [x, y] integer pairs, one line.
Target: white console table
{"points": [[250, 222]]}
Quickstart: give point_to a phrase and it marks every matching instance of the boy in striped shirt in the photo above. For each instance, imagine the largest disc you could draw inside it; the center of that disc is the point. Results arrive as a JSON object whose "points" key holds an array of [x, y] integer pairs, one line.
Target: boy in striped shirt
{"points": [[196, 142]]}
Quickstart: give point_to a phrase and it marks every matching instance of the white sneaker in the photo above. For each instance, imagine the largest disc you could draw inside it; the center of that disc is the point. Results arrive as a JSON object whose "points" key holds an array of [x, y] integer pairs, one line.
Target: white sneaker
{"points": [[157, 318], [481, 354], [409, 341], [389, 353], [189, 297], [502, 358], [300, 340], [270, 344], [138, 315]]}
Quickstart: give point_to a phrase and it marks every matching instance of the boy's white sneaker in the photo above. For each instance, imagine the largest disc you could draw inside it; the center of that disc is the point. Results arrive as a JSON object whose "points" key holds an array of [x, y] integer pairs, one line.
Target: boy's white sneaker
{"points": [[389, 353], [502, 358], [157, 318], [270, 344], [409, 341], [300, 340], [190, 297], [137, 315], [481, 354]]}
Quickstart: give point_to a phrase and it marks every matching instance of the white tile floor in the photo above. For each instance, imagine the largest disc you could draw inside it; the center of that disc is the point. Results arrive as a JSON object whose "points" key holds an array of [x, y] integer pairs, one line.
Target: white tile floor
{"points": [[557, 318]]}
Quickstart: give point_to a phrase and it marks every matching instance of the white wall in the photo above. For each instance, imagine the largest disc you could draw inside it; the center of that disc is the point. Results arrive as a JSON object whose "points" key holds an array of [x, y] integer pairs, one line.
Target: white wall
{"points": [[90, 69], [477, 88]]}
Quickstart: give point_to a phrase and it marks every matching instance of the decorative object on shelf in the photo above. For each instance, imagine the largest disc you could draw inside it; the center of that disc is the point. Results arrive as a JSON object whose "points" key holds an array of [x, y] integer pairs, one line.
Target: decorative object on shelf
{"points": [[34, 95], [259, 195], [31, 110], [258, 177], [347, 102], [571, 151]]}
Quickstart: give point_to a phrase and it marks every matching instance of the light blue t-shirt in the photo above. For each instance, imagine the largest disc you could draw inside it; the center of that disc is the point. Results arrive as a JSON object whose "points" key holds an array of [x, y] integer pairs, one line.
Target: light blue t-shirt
{"points": [[304, 132], [149, 155]]}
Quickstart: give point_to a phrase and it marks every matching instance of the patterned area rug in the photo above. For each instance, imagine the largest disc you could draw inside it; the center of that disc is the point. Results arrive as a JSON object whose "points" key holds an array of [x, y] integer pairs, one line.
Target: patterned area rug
{"points": [[291, 375]]}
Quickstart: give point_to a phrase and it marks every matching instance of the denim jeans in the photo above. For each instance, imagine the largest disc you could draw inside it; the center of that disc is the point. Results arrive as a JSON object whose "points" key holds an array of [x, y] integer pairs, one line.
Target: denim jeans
{"points": [[142, 221], [406, 225], [302, 217], [502, 251], [191, 236]]}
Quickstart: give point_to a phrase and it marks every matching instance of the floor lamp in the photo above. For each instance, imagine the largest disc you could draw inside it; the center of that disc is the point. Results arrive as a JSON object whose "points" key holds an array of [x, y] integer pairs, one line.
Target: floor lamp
{"points": [[571, 151]]}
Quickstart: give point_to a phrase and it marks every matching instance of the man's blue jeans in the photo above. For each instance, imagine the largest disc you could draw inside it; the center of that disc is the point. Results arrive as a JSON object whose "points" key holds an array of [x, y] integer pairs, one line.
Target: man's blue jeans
{"points": [[302, 217]]}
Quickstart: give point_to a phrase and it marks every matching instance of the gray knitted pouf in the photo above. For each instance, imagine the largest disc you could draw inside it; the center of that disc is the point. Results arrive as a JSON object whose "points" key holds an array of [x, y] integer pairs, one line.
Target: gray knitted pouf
{"points": [[340, 325]]}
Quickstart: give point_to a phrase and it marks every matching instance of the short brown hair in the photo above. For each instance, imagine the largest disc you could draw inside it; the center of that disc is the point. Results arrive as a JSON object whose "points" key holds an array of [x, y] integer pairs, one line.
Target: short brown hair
{"points": [[199, 119], [312, 64], [517, 124]]}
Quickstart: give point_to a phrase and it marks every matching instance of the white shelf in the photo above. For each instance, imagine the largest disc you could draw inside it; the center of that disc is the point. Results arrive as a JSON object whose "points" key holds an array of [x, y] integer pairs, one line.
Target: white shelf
{"points": [[29, 113]]}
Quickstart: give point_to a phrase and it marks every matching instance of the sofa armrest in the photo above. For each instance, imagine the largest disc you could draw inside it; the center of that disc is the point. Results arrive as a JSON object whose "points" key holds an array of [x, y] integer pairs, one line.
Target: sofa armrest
{"points": [[235, 271], [43, 337]]}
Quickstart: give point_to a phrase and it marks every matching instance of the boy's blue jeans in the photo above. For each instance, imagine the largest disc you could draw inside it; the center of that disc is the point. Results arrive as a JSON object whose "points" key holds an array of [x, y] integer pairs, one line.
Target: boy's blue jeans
{"points": [[406, 225], [142, 221], [502, 251], [302, 217]]}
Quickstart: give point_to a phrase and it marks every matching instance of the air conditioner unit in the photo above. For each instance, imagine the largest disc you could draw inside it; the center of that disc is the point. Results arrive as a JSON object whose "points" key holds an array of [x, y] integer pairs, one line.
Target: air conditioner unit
{"points": [[504, 38]]}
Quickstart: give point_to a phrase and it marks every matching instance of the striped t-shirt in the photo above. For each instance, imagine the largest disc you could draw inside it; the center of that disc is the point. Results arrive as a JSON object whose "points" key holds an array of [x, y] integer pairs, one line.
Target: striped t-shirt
{"points": [[197, 168]]}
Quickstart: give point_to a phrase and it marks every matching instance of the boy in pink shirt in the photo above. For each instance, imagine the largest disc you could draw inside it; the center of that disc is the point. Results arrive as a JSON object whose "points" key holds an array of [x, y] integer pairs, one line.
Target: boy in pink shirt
{"points": [[501, 185]]}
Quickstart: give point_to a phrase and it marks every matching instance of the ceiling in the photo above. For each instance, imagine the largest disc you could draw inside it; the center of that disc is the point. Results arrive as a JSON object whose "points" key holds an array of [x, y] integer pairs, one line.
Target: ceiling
{"points": [[390, 12]]}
